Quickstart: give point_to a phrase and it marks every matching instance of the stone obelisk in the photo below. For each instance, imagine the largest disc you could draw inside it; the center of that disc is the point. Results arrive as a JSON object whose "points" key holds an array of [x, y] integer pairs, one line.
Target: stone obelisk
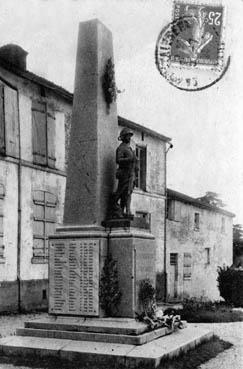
{"points": [[91, 166], [79, 247]]}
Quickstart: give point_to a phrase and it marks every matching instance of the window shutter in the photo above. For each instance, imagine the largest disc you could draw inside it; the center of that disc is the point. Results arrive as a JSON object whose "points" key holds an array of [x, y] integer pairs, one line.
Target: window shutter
{"points": [[43, 223], [2, 194], [39, 224], [2, 121], [143, 161], [39, 133], [196, 221], [141, 154], [51, 133], [173, 259], [187, 266], [137, 179], [11, 121]]}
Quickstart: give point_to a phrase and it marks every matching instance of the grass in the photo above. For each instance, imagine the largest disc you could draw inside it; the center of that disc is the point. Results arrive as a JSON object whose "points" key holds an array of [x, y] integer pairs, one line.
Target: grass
{"points": [[190, 360], [196, 311], [219, 316], [196, 357]]}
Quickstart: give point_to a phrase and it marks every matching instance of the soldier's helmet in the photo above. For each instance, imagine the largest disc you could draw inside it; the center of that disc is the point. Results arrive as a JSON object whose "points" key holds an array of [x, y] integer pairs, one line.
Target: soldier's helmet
{"points": [[124, 132]]}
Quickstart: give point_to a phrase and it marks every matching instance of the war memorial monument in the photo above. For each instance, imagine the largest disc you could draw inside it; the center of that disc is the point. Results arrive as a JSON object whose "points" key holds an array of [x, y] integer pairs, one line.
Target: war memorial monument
{"points": [[98, 226]]}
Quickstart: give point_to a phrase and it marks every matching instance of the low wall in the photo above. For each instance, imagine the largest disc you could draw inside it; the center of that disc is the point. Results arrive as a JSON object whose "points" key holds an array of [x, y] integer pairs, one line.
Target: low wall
{"points": [[33, 296]]}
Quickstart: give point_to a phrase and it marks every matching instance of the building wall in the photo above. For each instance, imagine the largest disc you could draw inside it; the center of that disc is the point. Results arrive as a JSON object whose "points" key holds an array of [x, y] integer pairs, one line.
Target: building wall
{"points": [[155, 206], [32, 180], [20, 177], [155, 180], [8, 266], [8, 177], [183, 238], [152, 201]]}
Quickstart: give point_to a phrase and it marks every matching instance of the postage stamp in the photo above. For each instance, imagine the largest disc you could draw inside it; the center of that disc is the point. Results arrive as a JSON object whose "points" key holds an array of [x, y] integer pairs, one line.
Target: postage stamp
{"points": [[199, 38], [190, 50]]}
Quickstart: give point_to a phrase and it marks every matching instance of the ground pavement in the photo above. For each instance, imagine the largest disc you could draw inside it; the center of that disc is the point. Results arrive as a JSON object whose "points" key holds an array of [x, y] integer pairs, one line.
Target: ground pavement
{"points": [[233, 357], [229, 359]]}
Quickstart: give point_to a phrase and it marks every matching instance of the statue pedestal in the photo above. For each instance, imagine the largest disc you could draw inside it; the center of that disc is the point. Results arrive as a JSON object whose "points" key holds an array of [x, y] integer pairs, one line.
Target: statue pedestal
{"points": [[134, 251], [77, 256]]}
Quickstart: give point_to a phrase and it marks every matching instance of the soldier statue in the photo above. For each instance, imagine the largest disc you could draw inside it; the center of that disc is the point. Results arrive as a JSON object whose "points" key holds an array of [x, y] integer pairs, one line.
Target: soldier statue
{"points": [[126, 175]]}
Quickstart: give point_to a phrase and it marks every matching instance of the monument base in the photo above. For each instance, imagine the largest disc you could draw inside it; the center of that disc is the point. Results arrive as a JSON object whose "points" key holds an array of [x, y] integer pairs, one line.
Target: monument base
{"points": [[113, 330], [76, 260], [39, 341]]}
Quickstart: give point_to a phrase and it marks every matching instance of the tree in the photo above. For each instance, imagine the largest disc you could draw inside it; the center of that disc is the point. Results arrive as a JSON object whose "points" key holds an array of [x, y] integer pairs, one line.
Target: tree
{"points": [[230, 285], [212, 198], [237, 239], [237, 233]]}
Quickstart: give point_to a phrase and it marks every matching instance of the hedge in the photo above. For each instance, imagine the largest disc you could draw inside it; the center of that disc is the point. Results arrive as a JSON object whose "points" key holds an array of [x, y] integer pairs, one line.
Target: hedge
{"points": [[230, 284]]}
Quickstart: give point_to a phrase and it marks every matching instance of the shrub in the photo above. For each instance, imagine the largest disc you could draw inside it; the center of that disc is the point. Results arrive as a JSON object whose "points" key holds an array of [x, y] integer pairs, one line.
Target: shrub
{"points": [[199, 310], [146, 295], [230, 282], [110, 294], [195, 304]]}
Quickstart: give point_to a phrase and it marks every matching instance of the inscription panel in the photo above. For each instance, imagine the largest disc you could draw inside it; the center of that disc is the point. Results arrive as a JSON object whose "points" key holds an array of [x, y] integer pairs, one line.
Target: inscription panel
{"points": [[145, 260], [74, 277]]}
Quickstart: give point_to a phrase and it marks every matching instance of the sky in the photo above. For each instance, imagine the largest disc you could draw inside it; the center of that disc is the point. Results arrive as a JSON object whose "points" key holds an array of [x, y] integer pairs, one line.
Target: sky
{"points": [[206, 127]]}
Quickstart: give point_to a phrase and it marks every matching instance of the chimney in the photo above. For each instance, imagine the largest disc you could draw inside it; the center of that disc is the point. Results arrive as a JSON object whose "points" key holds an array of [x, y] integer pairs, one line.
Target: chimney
{"points": [[13, 56]]}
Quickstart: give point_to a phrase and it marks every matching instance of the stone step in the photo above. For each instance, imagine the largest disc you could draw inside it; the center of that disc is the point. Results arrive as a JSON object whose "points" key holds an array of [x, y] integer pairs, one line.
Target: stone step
{"points": [[94, 336], [97, 325], [110, 354]]}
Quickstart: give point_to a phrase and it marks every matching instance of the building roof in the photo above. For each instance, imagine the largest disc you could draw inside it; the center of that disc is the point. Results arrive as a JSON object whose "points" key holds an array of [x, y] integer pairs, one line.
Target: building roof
{"points": [[139, 127], [69, 96], [171, 194], [36, 79]]}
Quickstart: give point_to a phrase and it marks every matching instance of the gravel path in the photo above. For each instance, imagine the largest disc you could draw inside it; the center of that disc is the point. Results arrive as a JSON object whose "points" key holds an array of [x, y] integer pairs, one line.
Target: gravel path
{"points": [[229, 359], [8, 325]]}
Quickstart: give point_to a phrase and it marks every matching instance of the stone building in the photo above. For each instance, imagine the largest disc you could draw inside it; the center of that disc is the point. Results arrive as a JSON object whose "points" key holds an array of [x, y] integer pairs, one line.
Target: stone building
{"points": [[34, 134], [32, 178], [35, 125], [198, 239]]}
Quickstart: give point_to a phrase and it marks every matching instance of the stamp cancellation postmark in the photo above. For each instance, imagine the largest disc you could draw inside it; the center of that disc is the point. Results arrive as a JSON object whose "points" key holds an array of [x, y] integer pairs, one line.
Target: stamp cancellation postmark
{"points": [[190, 49]]}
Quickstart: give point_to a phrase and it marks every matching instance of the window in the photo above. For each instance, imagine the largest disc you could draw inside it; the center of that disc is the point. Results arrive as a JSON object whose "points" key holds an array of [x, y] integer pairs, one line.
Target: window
{"points": [[141, 154], [173, 259], [207, 250], [187, 266], [44, 295], [146, 216], [44, 211], [9, 127], [43, 134], [2, 194], [170, 209], [222, 225], [196, 221], [2, 121]]}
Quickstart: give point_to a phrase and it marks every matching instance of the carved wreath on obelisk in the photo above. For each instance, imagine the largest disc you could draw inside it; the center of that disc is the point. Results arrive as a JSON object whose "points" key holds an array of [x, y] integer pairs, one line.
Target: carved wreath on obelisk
{"points": [[109, 84]]}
